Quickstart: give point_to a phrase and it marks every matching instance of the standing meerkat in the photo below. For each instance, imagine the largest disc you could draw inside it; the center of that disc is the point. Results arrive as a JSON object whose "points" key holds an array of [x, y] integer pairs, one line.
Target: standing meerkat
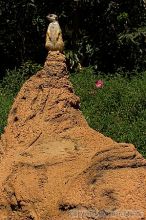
{"points": [[54, 41]]}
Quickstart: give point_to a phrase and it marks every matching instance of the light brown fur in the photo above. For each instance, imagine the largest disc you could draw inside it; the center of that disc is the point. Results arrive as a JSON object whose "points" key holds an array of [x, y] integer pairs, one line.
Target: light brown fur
{"points": [[54, 41]]}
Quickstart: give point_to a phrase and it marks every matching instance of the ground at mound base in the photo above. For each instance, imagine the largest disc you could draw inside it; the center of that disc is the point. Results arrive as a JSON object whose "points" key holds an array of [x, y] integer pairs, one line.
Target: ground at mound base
{"points": [[55, 167]]}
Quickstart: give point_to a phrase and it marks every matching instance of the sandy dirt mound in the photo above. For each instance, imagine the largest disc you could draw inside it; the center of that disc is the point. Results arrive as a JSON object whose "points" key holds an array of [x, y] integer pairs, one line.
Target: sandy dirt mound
{"points": [[55, 167]]}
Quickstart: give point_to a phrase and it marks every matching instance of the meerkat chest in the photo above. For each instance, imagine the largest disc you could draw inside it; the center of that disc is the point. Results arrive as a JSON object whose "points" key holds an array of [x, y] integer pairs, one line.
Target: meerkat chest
{"points": [[54, 30]]}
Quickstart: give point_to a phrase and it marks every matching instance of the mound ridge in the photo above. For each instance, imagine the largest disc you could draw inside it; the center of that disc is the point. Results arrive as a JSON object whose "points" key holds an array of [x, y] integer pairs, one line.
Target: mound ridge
{"points": [[53, 166]]}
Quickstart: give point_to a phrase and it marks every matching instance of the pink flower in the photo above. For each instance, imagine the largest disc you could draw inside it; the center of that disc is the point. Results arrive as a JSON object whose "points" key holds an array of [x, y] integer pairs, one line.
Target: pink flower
{"points": [[99, 84]]}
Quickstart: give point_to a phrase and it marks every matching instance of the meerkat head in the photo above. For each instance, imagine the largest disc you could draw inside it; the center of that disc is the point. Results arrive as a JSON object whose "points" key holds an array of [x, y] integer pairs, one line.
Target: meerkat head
{"points": [[52, 17]]}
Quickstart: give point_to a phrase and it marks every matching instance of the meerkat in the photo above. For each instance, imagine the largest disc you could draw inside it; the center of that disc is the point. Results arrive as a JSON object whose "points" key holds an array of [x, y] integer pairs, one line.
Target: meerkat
{"points": [[54, 41]]}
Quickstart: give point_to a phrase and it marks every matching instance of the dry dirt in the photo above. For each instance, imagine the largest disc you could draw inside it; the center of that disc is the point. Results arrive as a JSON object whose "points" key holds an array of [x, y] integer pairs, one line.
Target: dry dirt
{"points": [[55, 167]]}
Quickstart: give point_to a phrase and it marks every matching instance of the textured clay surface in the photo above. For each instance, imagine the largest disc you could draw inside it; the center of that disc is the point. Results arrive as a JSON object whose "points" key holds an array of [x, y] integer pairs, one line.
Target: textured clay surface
{"points": [[55, 167]]}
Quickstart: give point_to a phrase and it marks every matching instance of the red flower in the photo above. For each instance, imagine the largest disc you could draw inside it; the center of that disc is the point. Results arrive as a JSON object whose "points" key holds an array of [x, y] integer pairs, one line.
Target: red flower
{"points": [[99, 84]]}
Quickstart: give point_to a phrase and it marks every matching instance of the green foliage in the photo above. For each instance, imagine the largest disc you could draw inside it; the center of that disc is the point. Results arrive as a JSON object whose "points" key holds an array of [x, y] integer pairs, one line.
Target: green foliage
{"points": [[22, 30], [99, 33], [134, 43], [10, 85], [72, 59], [122, 17], [13, 79], [118, 109], [5, 104]]}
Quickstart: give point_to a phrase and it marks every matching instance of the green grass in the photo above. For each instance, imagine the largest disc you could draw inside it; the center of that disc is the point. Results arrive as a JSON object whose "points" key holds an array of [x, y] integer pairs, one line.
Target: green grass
{"points": [[5, 104], [117, 110], [9, 87]]}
